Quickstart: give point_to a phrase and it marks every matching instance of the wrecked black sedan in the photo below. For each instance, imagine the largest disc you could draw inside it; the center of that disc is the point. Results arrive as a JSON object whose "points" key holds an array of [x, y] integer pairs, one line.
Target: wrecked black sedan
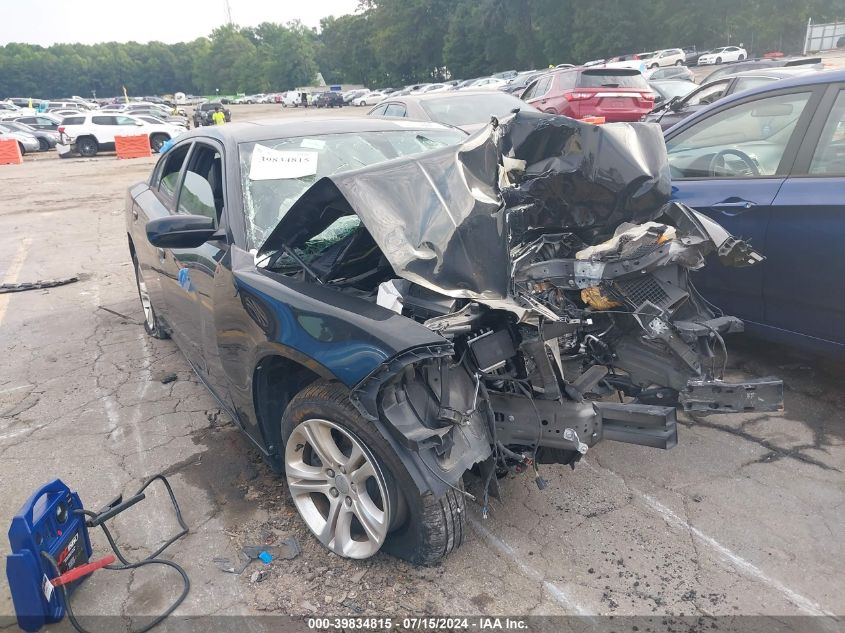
{"points": [[383, 306]]}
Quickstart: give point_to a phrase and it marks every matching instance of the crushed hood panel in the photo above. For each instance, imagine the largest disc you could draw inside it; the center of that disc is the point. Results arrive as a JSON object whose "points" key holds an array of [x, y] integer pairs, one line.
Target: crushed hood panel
{"points": [[448, 219]]}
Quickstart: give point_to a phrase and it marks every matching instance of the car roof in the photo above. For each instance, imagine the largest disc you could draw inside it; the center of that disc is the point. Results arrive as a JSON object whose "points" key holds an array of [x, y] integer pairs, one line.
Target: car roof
{"points": [[263, 129], [809, 79]]}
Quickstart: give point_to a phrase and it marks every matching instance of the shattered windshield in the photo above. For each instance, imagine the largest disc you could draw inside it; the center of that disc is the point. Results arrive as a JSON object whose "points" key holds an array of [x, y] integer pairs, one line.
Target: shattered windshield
{"points": [[276, 172]]}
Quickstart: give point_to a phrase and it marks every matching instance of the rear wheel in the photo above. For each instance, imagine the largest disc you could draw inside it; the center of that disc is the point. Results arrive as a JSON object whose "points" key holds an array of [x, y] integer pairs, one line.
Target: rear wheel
{"points": [[741, 57], [680, 62], [151, 323], [351, 488], [87, 146]]}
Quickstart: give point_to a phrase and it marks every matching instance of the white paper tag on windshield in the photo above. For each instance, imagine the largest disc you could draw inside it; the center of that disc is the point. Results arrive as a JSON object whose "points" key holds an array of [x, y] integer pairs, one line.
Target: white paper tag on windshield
{"points": [[271, 164]]}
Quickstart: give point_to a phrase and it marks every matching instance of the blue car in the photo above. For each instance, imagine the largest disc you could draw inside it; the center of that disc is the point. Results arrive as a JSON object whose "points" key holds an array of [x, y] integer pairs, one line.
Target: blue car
{"points": [[768, 164]]}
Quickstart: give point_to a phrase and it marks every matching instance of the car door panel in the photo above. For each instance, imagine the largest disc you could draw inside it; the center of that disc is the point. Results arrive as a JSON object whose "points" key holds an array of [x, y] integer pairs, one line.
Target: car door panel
{"points": [[807, 232], [743, 207], [806, 265], [160, 200]]}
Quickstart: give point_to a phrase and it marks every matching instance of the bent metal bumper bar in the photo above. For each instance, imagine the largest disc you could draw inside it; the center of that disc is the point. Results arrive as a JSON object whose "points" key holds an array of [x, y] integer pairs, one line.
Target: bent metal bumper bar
{"points": [[518, 421], [717, 396]]}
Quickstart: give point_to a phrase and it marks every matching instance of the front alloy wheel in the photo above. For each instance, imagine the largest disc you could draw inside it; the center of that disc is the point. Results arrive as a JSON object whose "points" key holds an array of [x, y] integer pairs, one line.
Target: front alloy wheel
{"points": [[338, 488]]}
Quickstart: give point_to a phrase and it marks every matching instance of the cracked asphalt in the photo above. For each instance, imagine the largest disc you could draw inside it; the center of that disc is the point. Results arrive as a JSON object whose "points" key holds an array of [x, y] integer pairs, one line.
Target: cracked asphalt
{"points": [[746, 516]]}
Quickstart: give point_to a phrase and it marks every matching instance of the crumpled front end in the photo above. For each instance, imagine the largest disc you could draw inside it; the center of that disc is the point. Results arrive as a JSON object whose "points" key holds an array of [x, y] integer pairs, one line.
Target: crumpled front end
{"points": [[547, 253]]}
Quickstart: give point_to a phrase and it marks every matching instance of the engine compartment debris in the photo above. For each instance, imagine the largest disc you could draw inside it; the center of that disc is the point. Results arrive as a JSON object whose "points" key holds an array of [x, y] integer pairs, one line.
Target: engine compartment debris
{"points": [[547, 255]]}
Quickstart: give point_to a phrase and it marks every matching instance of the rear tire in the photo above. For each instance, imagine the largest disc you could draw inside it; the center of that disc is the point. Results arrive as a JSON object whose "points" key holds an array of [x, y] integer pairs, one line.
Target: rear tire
{"points": [[741, 57], [679, 63], [419, 528], [87, 146], [152, 325]]}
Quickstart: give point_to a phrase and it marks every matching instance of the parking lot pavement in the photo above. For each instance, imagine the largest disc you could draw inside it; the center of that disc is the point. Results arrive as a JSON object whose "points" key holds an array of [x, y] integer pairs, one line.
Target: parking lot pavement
{"points": [[744, 517]]}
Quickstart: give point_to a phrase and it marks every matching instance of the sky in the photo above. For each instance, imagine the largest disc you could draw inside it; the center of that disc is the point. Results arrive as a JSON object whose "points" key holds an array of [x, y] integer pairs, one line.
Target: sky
{"points": [[48, 22]]}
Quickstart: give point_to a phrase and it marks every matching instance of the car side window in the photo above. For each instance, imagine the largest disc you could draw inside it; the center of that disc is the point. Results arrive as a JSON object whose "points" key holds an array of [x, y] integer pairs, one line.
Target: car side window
{"points": [[124, 120], [379, 111], [530, 90], [202, 188], [745, 140], [829, 157], [104, 120], [395, 110], [171, 167]]}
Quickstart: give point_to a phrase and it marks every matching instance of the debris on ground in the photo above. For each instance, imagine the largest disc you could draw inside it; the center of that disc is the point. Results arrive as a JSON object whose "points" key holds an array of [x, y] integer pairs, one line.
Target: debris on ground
{"points": [[167, 378], [128, 319], [286, 550], [37, 285]]}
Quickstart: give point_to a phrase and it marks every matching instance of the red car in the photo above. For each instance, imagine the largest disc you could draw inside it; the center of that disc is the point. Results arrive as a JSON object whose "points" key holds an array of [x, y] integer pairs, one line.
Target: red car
{"points": [[617, 94]]}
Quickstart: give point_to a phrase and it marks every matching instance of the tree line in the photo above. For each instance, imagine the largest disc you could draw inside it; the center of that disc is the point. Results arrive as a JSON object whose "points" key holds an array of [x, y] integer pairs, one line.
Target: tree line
{"points": [[396, 42]]}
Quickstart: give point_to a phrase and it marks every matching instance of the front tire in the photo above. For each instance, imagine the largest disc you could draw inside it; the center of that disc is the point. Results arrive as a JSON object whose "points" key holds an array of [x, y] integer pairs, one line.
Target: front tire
{"points": [[43, 145], [22, 148], [152, 325], [351, 488]]}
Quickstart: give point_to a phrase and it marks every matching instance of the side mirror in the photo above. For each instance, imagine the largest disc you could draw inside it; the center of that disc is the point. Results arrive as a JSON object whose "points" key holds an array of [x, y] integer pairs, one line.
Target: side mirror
{"points": [[180, 231], [676, 104]]}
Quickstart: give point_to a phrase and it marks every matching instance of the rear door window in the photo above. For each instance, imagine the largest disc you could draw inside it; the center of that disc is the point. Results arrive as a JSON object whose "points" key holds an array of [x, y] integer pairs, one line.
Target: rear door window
{"points": [[73, 120], [395, 110], [542, 86], [104, 120], [829, 157]]}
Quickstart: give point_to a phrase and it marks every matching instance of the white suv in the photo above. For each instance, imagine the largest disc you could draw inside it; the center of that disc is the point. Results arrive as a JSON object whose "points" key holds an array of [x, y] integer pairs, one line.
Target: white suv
{"points": [[667, 57], [91, 132]]}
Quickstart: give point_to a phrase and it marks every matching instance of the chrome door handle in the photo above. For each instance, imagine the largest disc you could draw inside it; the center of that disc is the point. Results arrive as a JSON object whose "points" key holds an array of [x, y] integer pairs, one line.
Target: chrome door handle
{"points": [[161, 254]]}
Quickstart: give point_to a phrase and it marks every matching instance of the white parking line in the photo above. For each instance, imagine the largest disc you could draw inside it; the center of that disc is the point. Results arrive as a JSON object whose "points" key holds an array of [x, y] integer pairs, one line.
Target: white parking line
{"points": [[749, 569], [557, 594], [12, 273]]}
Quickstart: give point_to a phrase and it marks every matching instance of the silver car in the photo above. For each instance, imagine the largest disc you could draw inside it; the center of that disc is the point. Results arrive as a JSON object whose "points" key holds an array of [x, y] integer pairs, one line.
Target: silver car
{"points": [[27, 142]]}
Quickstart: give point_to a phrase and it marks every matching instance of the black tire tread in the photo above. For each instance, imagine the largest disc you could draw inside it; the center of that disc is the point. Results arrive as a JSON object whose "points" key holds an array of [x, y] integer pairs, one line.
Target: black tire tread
{"points": [[440, 526]]}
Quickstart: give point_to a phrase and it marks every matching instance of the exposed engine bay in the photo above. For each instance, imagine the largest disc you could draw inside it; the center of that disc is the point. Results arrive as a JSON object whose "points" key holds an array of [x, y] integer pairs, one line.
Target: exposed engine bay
{"points": [[547, 255]]}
